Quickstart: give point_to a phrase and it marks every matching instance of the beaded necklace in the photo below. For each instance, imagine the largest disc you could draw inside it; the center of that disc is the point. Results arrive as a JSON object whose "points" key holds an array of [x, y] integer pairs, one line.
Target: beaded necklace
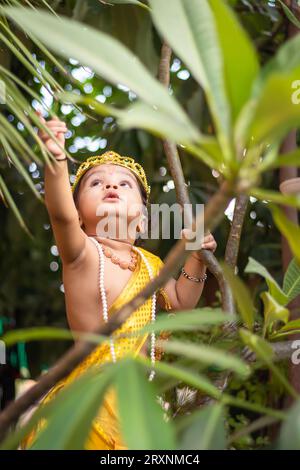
{"points": [[105, 308]]}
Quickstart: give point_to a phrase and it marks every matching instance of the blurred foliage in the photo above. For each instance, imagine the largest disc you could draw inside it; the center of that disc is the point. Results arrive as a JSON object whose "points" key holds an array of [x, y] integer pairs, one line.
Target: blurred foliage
{"points": [[31, 290]]}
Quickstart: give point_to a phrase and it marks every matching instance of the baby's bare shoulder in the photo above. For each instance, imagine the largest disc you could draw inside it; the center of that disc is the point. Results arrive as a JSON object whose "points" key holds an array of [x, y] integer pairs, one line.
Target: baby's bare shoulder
{"points": [[88, 255]]}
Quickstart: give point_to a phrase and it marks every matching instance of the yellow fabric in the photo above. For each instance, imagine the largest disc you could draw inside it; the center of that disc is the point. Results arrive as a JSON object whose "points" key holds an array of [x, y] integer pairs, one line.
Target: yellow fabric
{"points": [[105, 432]]}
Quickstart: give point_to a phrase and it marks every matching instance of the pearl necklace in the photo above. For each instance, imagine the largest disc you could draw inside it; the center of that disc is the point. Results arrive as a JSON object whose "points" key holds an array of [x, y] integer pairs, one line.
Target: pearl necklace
{"points": [[104, 302]]}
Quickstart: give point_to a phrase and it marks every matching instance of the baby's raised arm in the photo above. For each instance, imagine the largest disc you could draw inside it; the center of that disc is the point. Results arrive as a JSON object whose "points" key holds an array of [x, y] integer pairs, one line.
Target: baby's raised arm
{"points": [[69, 236]]}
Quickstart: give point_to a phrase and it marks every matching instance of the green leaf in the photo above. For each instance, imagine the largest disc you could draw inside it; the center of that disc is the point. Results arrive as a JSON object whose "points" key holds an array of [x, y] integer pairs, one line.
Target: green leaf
{"points": [[48, 333], [254, 266], [94, 381], [205, 429], [291, 328], [264, 351], [103, 54], [190, 29], [73, 411], [207, 355], [290, 230], [287, 159], [238, 79], [274, 106], [289, 14], [241, 295], [140, 414], [289, 438], [261, 347], [157, 121], [188, 321], [292, 200], [141, 115], [291, 281], [188, 376], [273, 311]]}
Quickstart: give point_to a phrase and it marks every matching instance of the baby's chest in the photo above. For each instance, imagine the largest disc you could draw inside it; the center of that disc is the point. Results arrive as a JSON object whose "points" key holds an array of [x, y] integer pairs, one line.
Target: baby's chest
{"points": [[84, 282], [115, 281]]}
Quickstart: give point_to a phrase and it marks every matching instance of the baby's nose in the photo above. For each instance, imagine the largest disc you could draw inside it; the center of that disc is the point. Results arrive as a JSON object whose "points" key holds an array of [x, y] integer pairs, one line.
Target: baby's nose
{"points": [[115, 186]]}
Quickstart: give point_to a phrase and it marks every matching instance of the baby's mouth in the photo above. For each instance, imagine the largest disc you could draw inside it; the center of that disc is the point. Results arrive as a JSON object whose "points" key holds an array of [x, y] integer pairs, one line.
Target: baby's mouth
{"points": [[111, 196]]}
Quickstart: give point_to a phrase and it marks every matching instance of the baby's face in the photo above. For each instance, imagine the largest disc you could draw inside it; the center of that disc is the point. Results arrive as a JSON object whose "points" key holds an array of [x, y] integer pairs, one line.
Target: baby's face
{"points": [[110, 188]]}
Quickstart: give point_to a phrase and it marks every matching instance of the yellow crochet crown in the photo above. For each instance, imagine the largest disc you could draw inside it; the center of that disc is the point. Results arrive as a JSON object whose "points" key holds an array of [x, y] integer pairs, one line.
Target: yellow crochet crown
{"points": [[116, 159]]}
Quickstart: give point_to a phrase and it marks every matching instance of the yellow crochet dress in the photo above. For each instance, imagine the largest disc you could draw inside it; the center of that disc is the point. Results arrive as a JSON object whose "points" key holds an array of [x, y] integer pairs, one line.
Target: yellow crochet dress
{"points": [[105, 433]]}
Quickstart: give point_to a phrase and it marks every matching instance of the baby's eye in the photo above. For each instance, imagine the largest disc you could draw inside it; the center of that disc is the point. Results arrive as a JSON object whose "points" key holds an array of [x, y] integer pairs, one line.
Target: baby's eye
{"points": [[125, 183], [95, 182]]}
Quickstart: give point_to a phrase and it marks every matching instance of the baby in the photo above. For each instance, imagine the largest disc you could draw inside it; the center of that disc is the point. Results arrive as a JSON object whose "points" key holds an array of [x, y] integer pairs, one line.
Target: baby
{"points": [[74, 221], [102, 272]]}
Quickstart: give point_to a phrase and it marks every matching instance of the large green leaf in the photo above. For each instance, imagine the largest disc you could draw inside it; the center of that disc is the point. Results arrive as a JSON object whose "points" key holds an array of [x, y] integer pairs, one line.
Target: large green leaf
{"points": [[205, 429], [291, 281], [239, 79], [70, 420], [141, 115], [103, 54], [190, 29], [289, 438], [272, 110], [254, 266], [208, 355], [142, 422], [157, 121], [189, 320]]}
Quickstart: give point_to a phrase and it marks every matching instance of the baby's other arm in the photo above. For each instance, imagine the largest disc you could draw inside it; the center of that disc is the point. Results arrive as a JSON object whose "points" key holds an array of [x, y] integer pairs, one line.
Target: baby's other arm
{"points": [[69, 236], [183, 293]]}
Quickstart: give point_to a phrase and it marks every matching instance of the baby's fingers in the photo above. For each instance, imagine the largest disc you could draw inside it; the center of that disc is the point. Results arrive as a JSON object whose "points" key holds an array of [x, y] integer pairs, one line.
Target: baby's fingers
{"points": [[56, 131], [55, 123], [40, 116]]}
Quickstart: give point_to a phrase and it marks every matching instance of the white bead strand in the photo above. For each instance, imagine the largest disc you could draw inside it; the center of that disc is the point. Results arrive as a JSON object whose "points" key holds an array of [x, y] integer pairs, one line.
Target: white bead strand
{"points": [[105, 309], [153, 314]]}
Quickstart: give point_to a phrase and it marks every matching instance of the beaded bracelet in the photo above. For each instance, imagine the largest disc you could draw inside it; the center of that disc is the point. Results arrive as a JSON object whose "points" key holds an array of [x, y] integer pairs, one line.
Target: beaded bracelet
{"points": [[195, 279], [60, 159]]}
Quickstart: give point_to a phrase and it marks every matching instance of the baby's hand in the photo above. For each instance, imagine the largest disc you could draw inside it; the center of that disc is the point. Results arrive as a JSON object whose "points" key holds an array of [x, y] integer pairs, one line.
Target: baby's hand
{"points": [[58, 128], [209, 243]]}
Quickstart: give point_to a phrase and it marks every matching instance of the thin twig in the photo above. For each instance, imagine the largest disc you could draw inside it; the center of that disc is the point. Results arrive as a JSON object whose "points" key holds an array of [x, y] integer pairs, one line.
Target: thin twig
{"points": [[181, 190]]}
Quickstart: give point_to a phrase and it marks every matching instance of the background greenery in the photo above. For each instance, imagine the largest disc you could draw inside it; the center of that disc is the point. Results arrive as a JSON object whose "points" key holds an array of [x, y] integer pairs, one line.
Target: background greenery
{"points": [[31, 293]]}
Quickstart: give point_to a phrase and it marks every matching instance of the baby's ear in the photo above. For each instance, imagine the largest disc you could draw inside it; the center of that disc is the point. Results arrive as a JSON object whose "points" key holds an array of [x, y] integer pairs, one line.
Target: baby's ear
{"points": [[142, 225], [80, 220]]}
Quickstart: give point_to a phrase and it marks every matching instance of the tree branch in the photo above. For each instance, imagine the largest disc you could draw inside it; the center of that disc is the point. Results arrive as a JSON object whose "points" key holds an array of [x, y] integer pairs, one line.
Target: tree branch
{"points": [[233, 243], [182, 195]]}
